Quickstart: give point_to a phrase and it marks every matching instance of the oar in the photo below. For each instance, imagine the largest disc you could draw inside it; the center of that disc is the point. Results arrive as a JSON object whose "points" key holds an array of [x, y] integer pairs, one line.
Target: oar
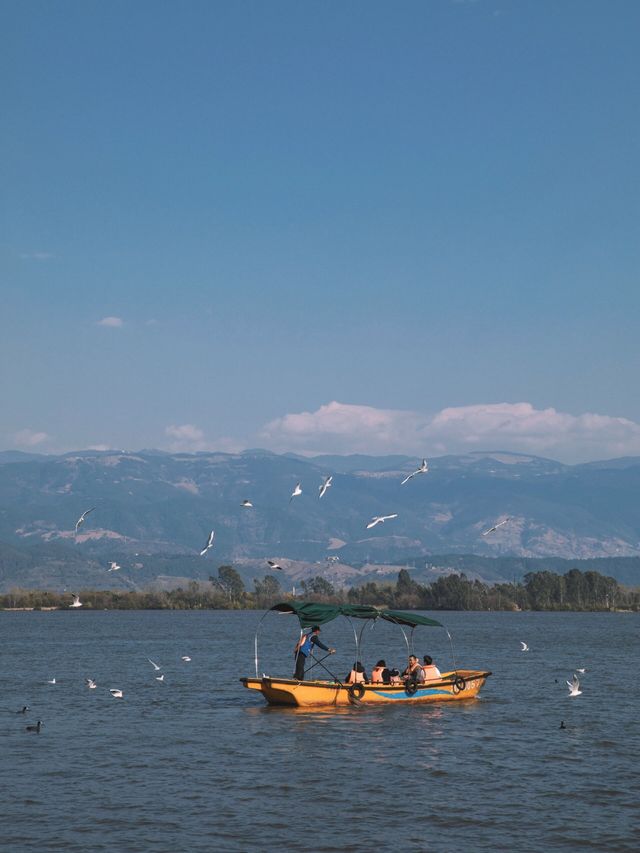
{"points": [[316, 663], [352, 699]]}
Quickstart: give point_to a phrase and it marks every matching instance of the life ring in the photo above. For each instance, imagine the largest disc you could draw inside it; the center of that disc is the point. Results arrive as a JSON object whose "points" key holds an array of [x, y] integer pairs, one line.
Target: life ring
{"points": [[411, 687], [356, 691], [459, 684]]}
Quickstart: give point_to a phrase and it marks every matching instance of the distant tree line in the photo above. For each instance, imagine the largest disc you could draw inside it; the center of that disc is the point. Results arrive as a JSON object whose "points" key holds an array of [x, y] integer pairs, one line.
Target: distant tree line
{"points": [[574, 590], [545, 590]]}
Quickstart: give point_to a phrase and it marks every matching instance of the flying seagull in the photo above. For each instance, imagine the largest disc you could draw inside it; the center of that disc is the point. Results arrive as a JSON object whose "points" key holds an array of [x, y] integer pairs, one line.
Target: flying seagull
{"points": [[154, 665], [574, 686], [423, 469], [380, 519], [496, 526], [51, 681], [297, 491], [209, 544], [80, 521], [275, 565], [91, 683], [525, 647], [113, 567], [117, 694], [185, 658], [160, 677], [76, 600], [246, 504], [582, 671], [326, 485]]}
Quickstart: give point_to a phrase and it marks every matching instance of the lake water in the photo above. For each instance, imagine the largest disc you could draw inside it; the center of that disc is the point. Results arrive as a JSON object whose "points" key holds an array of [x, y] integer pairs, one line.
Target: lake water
{"points": [[199, 763]]}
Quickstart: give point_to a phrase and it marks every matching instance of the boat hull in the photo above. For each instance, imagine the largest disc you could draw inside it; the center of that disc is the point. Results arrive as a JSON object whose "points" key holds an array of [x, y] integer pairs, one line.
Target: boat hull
{"points": [[451, 687]]}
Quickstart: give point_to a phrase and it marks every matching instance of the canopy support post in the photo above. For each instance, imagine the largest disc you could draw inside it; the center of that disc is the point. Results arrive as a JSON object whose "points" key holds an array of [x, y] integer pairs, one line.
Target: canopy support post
{"points": [[405, 639], [453, 654], [355, 636]]}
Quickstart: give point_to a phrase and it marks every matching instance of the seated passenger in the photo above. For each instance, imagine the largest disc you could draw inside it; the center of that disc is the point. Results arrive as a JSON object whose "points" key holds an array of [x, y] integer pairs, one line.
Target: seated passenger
{"points": [[413, 672], [380, 674], [394, 676], [430, 670], [357, 674]]}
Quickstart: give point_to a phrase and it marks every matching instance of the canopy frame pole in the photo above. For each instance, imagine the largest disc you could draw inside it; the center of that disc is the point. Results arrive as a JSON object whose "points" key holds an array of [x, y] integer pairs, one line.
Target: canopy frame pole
{"points": [[299, 645], [405, 638], [355, 636], [359, 646], [411, 635], [255, 642], [453, 654], [255, 639]]}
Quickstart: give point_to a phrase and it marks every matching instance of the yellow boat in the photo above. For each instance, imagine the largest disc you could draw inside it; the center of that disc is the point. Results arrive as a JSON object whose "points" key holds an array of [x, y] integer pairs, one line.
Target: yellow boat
{"points": [[456, 685], [453, 686]]}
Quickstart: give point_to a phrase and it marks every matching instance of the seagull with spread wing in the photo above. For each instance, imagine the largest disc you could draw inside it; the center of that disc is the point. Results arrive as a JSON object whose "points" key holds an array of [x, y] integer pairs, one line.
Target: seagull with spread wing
{"points": [[275, 565], [380, 519], [423, 469], [80, 521], [297, 491], [209, 544], [574, 686], [325, 485], [496, 526]]}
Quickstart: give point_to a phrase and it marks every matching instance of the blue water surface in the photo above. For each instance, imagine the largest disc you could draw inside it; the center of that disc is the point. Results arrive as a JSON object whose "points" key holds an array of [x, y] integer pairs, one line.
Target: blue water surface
{"points": [[198, 763]]}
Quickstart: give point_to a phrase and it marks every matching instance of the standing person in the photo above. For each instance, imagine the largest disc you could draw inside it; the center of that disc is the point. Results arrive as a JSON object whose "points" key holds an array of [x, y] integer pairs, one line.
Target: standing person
{"points": [[303, 649]]}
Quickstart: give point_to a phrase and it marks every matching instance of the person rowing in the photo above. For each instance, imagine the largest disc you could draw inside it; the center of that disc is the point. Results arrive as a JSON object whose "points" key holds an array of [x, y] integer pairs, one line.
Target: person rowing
{"points": [[304, 647]]}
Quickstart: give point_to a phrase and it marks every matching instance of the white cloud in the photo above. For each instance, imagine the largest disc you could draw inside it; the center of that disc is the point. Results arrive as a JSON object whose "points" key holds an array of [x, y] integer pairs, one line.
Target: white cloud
{"points": [[111, 322], [36, 256], [519, 427], [29, 438], [187, 438]]}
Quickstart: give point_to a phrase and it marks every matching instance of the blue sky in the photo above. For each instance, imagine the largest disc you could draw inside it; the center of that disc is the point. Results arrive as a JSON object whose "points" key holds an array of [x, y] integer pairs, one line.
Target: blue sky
{"points": [[321, 226]]}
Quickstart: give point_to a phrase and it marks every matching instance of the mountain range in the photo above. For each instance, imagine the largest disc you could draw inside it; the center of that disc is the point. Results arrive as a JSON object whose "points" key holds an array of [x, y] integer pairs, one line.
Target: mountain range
{"points": [[154, 510]]}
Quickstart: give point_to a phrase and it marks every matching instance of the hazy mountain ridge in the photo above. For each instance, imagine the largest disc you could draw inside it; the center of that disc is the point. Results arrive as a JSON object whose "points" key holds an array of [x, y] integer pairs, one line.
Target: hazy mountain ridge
{"points": [[162, 506]]}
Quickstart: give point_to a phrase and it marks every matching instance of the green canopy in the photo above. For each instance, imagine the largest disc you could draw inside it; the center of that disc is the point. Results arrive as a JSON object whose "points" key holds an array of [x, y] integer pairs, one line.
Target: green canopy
{"points": [[411, 619], [309, 613]]}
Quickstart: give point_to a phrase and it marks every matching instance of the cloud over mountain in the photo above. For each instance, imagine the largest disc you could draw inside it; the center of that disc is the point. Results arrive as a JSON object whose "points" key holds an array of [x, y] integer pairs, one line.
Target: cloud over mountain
{"points": [[519, 427], [29, 438], [186, 438]]}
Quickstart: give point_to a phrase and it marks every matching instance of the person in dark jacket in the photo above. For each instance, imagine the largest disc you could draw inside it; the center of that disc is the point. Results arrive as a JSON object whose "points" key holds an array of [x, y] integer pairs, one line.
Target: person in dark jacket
{"points": [[304, 647]]}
